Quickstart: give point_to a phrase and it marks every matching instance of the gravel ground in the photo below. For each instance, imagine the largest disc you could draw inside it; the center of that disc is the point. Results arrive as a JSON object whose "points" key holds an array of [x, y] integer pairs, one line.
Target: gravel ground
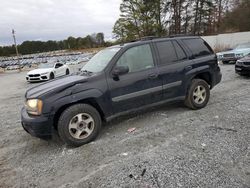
{"points": [[172, 146]]}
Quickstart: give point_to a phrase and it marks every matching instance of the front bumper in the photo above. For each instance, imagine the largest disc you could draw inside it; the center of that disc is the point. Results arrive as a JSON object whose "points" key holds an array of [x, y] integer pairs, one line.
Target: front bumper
{"points": [[38, 126], [242, 69], [37, 78]]}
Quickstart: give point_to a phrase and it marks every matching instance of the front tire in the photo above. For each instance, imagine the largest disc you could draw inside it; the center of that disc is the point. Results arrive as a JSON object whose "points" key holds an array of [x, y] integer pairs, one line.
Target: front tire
{"points": [[198, 94], [51, 76], [67, 72], [79, 124]]}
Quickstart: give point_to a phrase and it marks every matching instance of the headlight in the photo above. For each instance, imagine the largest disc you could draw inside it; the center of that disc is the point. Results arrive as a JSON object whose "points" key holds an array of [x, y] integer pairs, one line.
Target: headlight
{"points": [[238, 62], [44, 73], [34, 106], [219, 56]]}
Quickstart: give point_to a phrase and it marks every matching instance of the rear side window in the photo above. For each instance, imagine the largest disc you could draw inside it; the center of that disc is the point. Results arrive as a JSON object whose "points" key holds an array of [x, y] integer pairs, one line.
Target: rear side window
{"points": [[167, 52], [198, 47], [179, 51]]}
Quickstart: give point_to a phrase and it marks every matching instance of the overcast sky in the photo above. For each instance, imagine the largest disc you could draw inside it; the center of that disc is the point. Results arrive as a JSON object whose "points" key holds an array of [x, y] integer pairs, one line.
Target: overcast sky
{"points": [[56, 19]]}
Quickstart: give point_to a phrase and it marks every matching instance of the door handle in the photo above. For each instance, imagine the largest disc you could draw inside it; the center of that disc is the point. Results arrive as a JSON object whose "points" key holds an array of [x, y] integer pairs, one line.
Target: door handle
{"points": [[152, 76], [188, 68]]}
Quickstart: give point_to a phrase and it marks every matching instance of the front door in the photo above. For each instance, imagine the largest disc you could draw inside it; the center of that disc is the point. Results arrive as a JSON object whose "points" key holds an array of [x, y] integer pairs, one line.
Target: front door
{"points": [[59, 70], [141, 85]]}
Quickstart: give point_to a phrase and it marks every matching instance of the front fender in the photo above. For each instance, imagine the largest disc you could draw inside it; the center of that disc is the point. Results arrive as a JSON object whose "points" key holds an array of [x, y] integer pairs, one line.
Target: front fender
{"points": [[74, 98]]}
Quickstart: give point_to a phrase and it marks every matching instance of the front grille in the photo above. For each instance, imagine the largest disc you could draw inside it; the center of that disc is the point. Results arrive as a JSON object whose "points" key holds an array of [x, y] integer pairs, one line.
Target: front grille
{"points": [[34, 75], [229, 55], [34, 78]]}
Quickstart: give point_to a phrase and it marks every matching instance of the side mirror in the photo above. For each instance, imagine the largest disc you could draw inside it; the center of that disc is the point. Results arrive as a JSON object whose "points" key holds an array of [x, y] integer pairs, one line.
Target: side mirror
{"points": [[120, 70]]}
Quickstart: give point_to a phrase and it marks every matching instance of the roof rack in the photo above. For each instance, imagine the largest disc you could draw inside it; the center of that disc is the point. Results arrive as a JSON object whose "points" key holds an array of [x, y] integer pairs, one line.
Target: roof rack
{"points": [[180, 35], [162, 37], [170, 36], [148, 38]]}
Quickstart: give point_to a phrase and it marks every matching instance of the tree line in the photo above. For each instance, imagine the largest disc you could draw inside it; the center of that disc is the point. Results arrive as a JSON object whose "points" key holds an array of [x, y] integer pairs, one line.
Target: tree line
{"points": [[30, 47], [140, 18]]}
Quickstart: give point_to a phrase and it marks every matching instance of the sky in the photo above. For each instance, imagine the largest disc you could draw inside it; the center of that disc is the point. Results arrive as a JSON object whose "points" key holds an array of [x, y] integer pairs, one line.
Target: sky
{"points": [[56, 19]]}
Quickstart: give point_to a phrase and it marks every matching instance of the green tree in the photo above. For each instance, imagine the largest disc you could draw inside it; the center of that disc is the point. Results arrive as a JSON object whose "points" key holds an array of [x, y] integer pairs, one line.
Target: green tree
{"points": [[238, 19], [139, 18], [100, 39]]}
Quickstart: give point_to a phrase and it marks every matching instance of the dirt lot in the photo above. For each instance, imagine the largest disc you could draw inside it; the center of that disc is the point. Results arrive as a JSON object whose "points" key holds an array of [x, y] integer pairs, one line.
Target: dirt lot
{"points": [[171, 147]]}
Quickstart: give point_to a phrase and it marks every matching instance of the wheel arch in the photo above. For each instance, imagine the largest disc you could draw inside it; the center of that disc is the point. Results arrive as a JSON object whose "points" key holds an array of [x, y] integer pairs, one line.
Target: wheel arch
{"points": [[206, 76], [90, 101]]}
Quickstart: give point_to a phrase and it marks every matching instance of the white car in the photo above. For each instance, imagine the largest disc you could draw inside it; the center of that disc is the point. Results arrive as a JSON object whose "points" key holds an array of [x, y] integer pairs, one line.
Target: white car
{"points": [[47, 71]]}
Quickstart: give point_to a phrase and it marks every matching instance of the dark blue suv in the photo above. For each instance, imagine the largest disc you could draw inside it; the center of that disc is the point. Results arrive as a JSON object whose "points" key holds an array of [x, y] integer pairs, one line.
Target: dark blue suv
{"points": [[118, 80]]}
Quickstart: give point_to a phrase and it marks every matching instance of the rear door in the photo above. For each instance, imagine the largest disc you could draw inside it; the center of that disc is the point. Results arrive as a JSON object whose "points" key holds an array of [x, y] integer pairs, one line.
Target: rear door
{"points": [[203, 57], [171, 62], [141, 85]]}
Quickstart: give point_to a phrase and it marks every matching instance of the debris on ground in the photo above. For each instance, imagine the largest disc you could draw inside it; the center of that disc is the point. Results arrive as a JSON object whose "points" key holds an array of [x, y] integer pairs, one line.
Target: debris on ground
{"points": [[130, 130], [124, 154], [203, 145], [143, 172]]}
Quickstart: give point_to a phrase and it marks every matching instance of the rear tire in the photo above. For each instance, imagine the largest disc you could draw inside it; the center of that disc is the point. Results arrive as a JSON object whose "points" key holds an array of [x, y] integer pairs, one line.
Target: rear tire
{"points": [[79, 124], [198, 94]]}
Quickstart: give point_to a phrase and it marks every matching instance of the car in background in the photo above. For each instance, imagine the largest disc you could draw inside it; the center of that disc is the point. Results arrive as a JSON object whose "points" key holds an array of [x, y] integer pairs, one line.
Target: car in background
{"points": [[233, 55], [47, 71], [242, 66], [72, 62], [12, 67]]}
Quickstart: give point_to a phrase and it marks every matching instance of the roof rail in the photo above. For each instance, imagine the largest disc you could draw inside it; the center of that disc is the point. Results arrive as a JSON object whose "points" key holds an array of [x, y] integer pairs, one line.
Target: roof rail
{"points": [[148, 38], [180, 35]]}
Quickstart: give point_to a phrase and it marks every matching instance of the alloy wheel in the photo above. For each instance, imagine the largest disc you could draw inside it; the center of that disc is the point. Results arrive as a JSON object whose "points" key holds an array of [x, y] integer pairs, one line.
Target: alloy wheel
{"points": [[81, 126]]}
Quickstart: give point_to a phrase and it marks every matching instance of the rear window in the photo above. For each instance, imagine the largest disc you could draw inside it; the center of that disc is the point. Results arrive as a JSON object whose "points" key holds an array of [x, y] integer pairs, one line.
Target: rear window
{"points": [[198, 47], [166, 52]]}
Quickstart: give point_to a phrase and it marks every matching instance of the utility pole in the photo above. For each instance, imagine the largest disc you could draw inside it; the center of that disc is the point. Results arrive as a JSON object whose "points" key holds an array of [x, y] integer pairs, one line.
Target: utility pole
{"points": [[14, 37]]}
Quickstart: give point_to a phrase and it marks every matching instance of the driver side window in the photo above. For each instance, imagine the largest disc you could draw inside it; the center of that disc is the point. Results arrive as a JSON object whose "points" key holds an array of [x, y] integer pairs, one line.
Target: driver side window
{"points": [[58, 65], [137, 58]]}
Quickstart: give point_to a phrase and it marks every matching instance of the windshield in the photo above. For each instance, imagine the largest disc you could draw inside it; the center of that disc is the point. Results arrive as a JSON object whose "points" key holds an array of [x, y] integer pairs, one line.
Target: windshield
{"points": [[46, 65], [99, 61], [247, 45]]}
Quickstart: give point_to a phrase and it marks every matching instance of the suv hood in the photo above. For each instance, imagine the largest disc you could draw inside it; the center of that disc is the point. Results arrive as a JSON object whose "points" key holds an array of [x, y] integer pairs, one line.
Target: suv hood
{"points": [[40, 71], [54, 85], [245, 59]]}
